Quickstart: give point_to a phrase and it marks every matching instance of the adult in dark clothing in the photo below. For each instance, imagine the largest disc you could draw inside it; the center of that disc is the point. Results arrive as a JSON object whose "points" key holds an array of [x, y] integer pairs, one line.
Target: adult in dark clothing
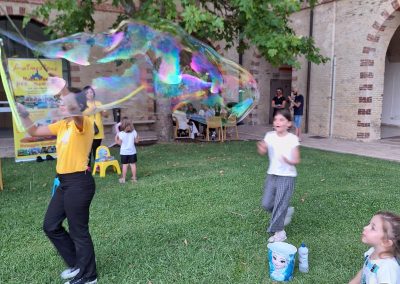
{"points": [[279, 101], [297, 101]]}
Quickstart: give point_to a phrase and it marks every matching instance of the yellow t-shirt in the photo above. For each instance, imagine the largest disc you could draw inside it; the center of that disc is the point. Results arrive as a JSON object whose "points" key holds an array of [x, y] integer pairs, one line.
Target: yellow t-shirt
{"points": [[96, 118], [73, 146]]}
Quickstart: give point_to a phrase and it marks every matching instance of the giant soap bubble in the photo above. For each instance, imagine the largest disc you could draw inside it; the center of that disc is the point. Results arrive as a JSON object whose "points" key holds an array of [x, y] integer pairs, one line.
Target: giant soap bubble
{"points": [[164, 62]]}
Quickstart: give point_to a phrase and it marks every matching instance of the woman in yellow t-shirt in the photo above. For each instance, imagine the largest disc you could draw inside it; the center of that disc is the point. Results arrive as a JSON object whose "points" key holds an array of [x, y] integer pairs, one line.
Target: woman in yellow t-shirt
{"points": [[96, 118], [74, 195]]}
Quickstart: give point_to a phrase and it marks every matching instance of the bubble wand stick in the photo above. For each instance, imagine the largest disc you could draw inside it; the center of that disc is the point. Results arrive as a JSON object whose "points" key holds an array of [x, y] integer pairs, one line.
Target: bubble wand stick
{"points": [[121, 100]]}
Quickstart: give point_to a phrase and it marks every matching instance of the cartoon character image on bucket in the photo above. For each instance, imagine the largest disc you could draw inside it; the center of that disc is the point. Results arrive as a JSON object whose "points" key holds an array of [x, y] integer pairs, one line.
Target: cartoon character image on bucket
{"points": [[281, 258]]}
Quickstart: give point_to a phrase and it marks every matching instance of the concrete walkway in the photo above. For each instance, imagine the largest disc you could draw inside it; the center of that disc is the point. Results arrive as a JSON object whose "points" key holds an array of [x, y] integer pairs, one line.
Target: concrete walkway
{"points": [[386, 149]]}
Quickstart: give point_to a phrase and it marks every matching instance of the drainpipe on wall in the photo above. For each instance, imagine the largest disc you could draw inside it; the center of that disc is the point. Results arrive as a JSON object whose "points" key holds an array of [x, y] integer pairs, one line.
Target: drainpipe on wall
{"points": [[241, 64], [332, 97], [310, 34], [333, 74]]}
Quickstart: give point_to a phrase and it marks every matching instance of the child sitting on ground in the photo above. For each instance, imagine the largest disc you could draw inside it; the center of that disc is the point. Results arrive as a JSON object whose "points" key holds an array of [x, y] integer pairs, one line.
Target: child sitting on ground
{"points": [[380, 262], [127, 138]]}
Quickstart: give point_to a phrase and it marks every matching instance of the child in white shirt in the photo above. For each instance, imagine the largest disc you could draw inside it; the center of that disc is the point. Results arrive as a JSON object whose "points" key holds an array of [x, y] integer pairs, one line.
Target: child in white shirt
{"points": [[284, 154], [127, 138]]}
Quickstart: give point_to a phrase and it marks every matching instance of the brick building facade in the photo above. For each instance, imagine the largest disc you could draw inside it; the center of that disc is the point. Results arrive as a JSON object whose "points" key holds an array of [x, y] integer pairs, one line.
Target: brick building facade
{"points": [[350, 96], [353, 96], [345, 97]]}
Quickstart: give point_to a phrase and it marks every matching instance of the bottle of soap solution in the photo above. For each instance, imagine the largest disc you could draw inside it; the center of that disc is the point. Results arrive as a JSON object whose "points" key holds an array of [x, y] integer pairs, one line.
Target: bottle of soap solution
{"points": [[303, 258]]}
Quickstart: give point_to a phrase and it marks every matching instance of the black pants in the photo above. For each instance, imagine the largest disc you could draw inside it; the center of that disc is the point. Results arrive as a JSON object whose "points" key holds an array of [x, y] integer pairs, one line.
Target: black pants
{"points": [[72, 201], [96, 143]]}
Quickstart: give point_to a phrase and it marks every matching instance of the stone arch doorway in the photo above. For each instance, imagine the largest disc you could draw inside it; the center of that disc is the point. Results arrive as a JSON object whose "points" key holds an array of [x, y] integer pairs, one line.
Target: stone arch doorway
{"points": [[390, 126], [372, 70]]}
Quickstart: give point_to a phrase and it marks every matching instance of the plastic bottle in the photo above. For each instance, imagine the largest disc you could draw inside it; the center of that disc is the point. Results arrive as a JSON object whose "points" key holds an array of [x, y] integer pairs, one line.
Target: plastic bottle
{"points": [[303, 258]]}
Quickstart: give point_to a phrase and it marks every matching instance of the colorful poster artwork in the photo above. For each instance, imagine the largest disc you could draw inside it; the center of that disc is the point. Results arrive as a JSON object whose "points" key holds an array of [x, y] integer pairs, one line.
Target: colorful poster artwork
{"points": [[29, 85]]}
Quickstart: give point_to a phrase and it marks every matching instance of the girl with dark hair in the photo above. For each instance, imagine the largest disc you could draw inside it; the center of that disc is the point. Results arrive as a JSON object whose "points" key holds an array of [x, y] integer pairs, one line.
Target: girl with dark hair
{"points": [[284, 153], [74, 195]]}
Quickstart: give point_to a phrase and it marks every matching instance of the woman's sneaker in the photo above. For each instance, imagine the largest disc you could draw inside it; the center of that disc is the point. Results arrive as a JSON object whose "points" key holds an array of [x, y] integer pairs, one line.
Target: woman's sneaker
{"points": [[70, 272], [83, 280], [278, 237]]}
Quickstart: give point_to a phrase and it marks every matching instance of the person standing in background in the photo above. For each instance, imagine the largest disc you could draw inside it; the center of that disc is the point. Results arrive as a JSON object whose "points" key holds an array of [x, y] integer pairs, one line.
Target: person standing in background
{"points": [[297, 101], [279, 101], [97, 119], [127, 138]]}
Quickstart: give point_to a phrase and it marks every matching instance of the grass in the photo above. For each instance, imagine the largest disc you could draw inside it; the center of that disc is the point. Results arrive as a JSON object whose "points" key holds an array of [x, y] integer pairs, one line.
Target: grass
{"points": [[195, 217]]}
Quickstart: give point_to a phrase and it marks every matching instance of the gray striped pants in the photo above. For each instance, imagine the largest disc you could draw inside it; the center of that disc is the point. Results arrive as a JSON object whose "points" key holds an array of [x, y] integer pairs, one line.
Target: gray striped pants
{"points": [[277, 193]]}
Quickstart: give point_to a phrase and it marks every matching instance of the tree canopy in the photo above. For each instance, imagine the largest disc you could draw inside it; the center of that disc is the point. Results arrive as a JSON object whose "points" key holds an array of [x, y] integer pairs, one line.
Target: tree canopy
{"points": [[264, 24]]}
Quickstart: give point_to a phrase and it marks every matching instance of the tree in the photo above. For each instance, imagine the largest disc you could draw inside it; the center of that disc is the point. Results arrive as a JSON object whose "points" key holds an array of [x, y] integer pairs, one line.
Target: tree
{"points": [[262, 23]]}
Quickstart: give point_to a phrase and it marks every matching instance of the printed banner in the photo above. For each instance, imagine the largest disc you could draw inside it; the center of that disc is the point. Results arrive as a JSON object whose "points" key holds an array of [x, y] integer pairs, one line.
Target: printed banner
{"points": [[28, 81]]}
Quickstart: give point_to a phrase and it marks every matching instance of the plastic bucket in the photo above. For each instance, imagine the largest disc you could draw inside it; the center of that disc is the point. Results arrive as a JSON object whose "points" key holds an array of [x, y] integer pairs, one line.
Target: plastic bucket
{"points": [[281, 259]]}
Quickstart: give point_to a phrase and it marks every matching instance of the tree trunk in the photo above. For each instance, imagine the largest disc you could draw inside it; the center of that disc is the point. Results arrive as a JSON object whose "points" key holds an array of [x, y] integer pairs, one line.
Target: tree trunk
{"points": [[163, 119]]}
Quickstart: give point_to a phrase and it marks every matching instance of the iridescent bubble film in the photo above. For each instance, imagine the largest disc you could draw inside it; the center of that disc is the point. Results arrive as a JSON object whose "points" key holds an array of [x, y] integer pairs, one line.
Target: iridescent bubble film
{"points": [[164, 62]]}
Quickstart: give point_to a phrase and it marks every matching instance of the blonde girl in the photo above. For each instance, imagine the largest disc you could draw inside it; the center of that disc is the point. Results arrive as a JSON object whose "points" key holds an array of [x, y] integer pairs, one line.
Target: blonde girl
{"points": [[127, 138]]}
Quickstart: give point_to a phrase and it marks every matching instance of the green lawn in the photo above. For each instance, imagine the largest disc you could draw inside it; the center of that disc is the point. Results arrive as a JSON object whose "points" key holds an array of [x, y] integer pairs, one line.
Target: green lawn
{"points": [[195, 216]]}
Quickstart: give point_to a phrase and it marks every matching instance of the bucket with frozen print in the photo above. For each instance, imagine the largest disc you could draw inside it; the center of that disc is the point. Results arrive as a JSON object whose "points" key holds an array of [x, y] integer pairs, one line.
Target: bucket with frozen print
{"points": [[281, 259]]}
